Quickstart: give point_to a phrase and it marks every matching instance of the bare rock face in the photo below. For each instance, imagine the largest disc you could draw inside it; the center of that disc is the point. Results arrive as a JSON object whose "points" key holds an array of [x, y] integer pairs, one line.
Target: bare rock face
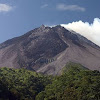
{"points": [[47, 50]]}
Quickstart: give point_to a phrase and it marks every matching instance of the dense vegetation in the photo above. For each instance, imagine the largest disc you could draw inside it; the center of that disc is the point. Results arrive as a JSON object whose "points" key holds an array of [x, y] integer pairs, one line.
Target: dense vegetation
{"points": [[21, 84], [75, 83]]}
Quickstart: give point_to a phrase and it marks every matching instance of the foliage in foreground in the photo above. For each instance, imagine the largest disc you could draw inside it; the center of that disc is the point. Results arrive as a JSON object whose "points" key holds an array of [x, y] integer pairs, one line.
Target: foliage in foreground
{"points": [[21, 84], [76, 83]]}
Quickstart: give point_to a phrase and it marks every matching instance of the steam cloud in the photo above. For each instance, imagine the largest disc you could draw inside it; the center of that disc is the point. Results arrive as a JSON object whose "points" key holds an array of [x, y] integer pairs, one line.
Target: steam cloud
{"points": [[90, 31]]}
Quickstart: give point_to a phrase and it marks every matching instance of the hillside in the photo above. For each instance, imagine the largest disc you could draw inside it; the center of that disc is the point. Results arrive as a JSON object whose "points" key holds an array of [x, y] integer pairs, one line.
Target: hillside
{"points": [[75, 83]]}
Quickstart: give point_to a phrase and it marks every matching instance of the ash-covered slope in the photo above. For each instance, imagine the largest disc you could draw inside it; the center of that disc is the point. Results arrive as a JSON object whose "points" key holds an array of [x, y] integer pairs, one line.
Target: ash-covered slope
{"points": [[47, 50]]}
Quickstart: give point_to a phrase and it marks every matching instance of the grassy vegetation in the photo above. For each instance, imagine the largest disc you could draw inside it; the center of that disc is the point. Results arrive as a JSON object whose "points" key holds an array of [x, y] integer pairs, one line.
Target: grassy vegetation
{"points": [[75, 83]]}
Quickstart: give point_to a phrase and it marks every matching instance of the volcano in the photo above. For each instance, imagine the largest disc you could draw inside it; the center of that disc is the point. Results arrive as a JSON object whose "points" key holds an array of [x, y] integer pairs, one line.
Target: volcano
{"points": [[48, 50]]}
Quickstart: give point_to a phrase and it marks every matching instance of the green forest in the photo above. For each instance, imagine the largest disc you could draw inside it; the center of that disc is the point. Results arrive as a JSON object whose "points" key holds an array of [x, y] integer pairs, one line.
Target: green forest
{"points": [[75, 83]]}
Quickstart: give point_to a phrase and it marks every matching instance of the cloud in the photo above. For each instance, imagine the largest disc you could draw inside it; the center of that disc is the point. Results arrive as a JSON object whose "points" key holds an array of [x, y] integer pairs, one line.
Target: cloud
{"points": [[64, 7], [90, 31], [44, 6], [5, 8]]}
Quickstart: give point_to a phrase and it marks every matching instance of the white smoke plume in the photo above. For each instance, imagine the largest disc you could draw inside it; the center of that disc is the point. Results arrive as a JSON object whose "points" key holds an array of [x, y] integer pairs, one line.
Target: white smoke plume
{"points": [[90, 31]]}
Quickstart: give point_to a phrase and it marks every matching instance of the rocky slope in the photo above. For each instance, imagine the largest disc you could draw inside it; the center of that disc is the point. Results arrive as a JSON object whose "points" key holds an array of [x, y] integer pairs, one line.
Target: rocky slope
{"points": [[47, 50]]}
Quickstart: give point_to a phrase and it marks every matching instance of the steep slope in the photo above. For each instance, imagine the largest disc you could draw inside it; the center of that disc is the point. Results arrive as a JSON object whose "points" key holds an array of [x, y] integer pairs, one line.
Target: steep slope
{"points": [[47, 50]]}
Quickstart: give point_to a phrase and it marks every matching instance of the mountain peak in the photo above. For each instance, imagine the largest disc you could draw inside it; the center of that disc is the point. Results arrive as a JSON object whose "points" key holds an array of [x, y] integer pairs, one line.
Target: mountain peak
{"points": [[42, 26]]}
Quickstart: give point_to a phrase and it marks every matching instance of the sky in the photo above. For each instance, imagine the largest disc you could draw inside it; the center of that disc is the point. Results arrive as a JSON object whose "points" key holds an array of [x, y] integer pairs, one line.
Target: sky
{"points": [[20, 16]]}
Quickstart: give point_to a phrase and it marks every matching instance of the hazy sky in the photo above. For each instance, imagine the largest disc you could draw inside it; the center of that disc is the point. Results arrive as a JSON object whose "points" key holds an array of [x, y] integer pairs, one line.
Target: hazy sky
{"points": [[19, 16]]}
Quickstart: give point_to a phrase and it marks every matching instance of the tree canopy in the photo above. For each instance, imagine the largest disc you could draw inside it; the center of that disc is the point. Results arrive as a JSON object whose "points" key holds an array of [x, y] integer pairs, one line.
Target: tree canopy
{"points": [[75, 83]]}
